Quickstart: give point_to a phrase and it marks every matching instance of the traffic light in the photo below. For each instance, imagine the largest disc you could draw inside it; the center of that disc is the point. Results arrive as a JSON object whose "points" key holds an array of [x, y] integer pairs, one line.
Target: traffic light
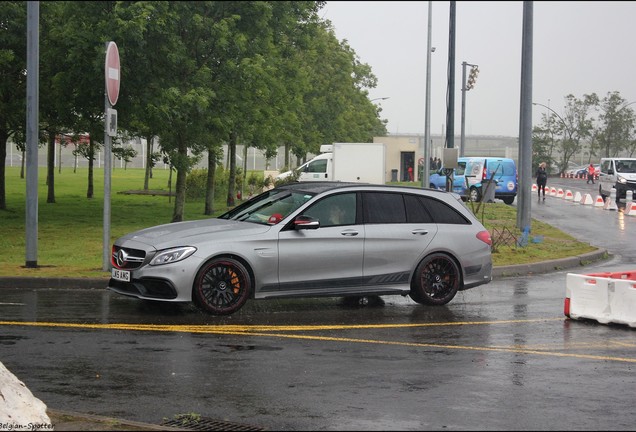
{"points": [[472, 77]]}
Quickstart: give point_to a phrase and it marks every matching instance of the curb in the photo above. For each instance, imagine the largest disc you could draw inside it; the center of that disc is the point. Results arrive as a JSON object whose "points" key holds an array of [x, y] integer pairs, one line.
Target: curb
{"points": [[497, 273], [549, 266]]}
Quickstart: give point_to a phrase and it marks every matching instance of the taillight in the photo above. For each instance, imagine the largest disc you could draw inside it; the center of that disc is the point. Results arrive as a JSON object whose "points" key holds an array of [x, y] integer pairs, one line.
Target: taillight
{"points": [[485, 237], [484, 173]]}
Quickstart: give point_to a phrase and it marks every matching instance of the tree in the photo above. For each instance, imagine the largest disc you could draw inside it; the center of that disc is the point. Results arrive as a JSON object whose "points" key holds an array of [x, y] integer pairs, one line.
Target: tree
{"points": [[616, 126], [124, 153], [13, 20]]}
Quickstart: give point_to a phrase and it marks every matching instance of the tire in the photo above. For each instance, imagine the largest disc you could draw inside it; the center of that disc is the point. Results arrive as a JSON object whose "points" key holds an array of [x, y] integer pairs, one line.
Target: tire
{"points": [[474, 194], [436, 280], [508, 200], [222, 286]]}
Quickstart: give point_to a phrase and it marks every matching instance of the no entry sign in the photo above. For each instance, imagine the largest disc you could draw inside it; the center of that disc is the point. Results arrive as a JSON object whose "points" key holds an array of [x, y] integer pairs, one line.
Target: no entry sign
{"points": [[112, 73]]}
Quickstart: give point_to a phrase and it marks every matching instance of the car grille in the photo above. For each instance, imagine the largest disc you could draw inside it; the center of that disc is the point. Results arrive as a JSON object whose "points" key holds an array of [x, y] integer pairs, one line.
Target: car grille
{"points": [[126, 258], [146, 287]]}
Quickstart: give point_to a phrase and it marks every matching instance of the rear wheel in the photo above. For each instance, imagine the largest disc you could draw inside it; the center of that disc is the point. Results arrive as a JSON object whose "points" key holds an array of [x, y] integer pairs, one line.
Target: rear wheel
{"points": [[436, 280], [222, 286], [508, 200]]}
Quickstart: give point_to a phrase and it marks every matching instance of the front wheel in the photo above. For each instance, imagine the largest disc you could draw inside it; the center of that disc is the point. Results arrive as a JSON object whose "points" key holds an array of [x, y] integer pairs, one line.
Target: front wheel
{"points": [[436, 280], [222, 286]]}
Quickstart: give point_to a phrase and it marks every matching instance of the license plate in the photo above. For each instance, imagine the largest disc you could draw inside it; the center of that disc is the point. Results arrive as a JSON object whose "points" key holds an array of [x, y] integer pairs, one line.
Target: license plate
{"points": [[121, 275]]}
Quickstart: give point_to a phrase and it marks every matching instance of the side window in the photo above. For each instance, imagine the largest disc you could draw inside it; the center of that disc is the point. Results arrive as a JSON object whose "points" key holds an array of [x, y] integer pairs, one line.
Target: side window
{"points": [[319, 166], [382, 207], [441, 212], [416, 211], [461, 168], [334, 210], [605, 166]]}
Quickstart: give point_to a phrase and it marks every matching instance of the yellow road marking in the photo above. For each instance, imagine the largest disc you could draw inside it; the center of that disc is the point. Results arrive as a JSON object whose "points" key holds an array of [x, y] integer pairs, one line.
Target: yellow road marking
{"points": [[274, 331]]}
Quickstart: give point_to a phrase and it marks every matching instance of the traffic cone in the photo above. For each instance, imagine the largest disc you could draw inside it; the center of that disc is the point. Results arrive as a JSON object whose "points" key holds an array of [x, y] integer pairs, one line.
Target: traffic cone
{"points": [[630, 208], [568, 195], [599, 201], [587, 200]]}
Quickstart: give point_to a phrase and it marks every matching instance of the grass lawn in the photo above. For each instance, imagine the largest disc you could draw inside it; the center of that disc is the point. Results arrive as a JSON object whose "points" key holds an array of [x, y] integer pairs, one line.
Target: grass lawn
{"points": [[70, 231]]}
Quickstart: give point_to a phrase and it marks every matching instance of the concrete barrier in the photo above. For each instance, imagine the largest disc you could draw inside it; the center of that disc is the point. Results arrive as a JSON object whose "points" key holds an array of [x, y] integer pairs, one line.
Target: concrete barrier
{"points": [[604, 297]]}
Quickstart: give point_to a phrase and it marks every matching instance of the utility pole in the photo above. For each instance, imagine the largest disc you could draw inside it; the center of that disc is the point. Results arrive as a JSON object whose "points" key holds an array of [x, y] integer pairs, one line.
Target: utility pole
{"points": [[450, 108], [525, 121]]}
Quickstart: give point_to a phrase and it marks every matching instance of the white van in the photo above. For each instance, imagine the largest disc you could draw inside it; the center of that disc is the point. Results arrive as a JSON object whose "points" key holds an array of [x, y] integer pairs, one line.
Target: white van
{"points": [[618, 173]]}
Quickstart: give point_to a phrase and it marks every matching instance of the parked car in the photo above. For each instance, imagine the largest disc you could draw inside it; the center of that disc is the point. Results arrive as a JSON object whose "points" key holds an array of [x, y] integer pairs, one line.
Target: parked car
{"points": [[582, 171], [437, 179], [574, 171], [501, 171], [310, 239]]}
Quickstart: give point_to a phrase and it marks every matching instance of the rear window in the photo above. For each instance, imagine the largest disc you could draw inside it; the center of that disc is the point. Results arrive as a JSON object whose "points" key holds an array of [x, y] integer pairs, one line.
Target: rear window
{"points": [[502, 168]]}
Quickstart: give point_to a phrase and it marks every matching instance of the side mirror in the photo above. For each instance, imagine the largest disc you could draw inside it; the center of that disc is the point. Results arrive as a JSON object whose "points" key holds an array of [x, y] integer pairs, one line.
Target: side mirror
{"points": [[306, 222]]}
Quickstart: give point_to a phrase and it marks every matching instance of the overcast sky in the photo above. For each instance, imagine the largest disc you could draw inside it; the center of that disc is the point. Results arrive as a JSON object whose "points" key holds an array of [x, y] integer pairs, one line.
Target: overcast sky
{"points": [[578, 48]]}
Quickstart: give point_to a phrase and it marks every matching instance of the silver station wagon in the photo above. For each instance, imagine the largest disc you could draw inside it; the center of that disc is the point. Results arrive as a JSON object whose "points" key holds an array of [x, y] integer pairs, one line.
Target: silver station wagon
{"points": [[310, 239]]}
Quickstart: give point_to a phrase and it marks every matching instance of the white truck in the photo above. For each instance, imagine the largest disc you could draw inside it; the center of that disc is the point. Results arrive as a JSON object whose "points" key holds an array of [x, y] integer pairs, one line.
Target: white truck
{"points": [[347, 162]]}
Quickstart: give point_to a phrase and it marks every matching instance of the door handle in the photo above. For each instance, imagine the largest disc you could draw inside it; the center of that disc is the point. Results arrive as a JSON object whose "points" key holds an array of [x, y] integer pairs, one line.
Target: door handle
{"points": [[419, 231], [349, 233]]}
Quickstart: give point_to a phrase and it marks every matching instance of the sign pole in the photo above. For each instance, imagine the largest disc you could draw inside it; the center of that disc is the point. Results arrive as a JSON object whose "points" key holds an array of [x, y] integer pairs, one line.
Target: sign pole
{"points": [[112, 74]]}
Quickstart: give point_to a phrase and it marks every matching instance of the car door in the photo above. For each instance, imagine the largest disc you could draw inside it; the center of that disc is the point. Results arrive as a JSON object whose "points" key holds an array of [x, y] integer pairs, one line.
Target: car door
{"points": [[395, 240], [327, 259]]}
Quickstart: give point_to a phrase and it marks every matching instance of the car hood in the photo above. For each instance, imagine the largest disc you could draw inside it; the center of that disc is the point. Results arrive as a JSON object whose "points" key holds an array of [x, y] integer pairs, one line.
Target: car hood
{"points": [[631, 177], [192, 232]]}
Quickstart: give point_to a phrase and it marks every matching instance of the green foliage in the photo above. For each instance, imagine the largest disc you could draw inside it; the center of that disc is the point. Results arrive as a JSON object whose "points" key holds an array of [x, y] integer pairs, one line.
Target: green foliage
{"points": [[196, 184]]}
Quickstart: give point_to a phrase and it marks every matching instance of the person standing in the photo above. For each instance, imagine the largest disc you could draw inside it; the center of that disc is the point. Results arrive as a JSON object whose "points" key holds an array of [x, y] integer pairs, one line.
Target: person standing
{"points": [[542, 179], [591, 171]]}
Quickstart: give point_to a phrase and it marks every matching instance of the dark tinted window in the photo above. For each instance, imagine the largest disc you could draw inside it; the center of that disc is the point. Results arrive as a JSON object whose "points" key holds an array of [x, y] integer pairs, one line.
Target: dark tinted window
{"points": [[416, 211], [382, 207], [441, 212]]}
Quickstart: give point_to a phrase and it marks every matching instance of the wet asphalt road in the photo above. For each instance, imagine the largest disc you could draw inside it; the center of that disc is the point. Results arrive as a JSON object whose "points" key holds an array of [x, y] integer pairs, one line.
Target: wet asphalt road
{"points": [[498, 357]]}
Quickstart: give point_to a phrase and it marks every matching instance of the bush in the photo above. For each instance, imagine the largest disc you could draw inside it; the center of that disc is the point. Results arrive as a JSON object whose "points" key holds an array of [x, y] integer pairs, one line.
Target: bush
{"points": [[195, 184]]}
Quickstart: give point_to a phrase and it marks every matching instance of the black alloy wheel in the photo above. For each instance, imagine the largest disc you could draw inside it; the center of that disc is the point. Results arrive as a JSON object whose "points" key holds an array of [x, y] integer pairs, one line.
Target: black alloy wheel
{"points": [[436, 280], [222, 286]]}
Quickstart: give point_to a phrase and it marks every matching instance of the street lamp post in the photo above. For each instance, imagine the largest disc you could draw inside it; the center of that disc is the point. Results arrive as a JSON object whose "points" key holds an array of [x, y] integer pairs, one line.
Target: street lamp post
{"points": [[465, 87], [426, 147], [380, 98]]}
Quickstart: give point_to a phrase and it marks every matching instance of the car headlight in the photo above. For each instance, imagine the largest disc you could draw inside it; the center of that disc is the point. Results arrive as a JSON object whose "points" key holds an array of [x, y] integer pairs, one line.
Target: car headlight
{"points": [[621, 180], [169, 256]]}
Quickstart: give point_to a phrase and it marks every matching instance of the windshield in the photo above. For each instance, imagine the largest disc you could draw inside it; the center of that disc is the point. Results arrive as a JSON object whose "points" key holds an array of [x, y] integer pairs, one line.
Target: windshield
{"points": [[626, 166], [268, 208]]}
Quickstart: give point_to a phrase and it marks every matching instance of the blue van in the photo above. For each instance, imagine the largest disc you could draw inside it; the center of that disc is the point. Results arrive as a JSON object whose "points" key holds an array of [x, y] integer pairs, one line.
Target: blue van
{"points": [[503, 171], [437, 179]]}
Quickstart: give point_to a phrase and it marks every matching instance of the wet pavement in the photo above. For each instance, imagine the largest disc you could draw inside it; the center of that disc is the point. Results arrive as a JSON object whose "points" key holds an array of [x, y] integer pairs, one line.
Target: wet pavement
{"points": [[498, 357]]}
